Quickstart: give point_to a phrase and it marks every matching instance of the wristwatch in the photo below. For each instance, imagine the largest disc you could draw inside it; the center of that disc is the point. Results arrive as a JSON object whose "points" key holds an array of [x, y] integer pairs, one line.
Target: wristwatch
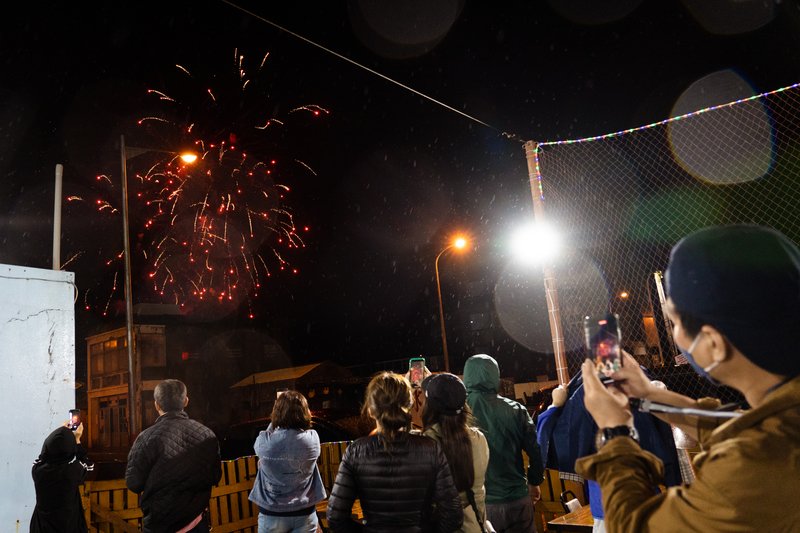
{"points": [[606, 434]]}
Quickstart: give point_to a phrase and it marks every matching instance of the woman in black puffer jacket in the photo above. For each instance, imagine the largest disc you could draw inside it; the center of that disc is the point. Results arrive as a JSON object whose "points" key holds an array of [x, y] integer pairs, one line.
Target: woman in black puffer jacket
{"points": [[397, 476]]}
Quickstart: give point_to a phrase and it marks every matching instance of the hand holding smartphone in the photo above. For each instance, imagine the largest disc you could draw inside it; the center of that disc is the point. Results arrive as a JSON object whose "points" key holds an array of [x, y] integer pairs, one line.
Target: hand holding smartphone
{"points": [[603, 342], [74, 419], [416, 371]]}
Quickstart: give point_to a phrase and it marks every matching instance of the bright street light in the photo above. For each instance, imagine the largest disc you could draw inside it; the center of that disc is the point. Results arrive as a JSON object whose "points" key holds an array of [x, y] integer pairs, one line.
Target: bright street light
{"points": [[460, 242], [536, 243], [189, 158]]}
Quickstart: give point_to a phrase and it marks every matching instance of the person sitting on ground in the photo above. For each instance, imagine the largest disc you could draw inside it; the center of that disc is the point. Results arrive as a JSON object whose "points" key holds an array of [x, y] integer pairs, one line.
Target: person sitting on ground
{"points": [[734, 301], [288, 484], [446, 418], [509, 429], [397, 476], [61, 468]]}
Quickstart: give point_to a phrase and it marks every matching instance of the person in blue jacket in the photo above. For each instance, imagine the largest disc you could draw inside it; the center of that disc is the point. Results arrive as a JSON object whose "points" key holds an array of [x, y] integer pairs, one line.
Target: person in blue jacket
{"points": [[288, 484], [566, 432]]}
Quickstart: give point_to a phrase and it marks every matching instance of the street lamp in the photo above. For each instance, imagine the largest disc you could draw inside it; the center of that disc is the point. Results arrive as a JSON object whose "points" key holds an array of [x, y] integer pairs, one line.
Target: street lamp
{"points": [[539, 243], [458, 243], [125, 153]]}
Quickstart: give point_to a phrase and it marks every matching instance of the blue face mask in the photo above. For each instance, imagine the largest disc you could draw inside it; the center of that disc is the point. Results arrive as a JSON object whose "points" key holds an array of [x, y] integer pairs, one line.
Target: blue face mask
{"points": [[704, 372]]}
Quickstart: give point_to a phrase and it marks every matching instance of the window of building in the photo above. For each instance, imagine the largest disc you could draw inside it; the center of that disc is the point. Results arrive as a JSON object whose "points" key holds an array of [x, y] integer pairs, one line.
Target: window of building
{"points": [[108, 362]]}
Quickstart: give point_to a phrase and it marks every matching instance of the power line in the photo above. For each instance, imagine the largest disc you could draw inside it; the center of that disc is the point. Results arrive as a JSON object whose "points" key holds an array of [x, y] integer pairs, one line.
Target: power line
{"points": [[340, 56]]}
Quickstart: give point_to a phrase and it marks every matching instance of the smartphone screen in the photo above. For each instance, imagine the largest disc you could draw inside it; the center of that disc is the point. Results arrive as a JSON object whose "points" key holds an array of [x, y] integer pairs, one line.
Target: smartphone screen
{"points": [[603, 338], [74, 419], [416, 371]]}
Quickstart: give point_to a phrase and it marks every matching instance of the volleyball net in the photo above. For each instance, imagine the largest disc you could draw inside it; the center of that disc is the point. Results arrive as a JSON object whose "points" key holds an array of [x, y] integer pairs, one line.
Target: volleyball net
{"points": [[621, 201]]}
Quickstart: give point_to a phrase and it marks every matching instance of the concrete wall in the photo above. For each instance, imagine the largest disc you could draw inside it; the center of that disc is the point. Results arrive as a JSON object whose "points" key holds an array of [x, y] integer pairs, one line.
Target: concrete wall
{"points": [[37, 377]]}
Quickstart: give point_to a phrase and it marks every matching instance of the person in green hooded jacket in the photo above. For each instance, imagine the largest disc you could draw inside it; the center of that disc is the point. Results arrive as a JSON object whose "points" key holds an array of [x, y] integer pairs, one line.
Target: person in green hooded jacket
{"points": [[509, 429]]}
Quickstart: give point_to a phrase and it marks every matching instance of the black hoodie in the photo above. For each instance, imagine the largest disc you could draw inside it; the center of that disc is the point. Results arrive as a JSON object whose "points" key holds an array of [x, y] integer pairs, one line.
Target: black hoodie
{"points": [[58, 472]]}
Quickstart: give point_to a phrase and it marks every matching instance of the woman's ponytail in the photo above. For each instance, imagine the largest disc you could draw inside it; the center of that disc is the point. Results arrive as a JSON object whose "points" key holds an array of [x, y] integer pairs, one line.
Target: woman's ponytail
{"points": [[388, 401]]}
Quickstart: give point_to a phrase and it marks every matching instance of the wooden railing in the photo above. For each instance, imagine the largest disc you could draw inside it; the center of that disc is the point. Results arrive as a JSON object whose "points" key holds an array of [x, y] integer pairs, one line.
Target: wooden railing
{"points": [[111, 508]]}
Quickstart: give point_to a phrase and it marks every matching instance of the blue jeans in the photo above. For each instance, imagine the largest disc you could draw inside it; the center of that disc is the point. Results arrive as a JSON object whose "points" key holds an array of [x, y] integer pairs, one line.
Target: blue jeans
{"points": [[287, 524]]}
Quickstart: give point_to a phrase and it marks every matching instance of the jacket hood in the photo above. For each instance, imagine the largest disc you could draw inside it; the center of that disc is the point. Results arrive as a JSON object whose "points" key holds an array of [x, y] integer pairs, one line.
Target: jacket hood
{"points": [[481, 374], [59, 447]]}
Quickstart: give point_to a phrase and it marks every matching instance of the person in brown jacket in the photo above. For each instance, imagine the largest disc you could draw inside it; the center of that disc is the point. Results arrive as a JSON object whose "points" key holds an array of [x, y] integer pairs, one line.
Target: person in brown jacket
{"points": [[734, 300]]}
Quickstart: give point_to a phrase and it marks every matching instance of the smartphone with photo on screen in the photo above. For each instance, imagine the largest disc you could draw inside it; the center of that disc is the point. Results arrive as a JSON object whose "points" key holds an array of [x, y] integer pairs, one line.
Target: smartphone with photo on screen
{"points": [[603, 343], [416, 371], [74, 419]]}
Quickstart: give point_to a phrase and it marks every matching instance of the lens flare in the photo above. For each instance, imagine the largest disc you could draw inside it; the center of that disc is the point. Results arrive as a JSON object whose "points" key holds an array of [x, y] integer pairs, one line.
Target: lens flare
{"points": [[741, 153]]}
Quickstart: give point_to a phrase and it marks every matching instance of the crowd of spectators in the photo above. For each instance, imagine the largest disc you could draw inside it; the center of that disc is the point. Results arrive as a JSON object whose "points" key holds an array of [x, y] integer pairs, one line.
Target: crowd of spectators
{"points": [[733, 298]]}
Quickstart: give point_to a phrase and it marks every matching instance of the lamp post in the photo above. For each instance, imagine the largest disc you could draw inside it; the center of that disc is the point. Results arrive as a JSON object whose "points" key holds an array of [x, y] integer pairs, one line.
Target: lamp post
{"points": [[125, 153], [458, 243]]}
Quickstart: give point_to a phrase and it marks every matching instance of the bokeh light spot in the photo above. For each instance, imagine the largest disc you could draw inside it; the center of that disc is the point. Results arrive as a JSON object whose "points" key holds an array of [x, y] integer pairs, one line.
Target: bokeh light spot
{"points": [[739, 153]]}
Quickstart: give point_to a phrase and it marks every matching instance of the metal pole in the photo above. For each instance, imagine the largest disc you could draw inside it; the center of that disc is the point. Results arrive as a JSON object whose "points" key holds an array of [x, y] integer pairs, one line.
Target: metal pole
{"points": [[441, 310], [550, 286], [132, 421], [57, 219]]}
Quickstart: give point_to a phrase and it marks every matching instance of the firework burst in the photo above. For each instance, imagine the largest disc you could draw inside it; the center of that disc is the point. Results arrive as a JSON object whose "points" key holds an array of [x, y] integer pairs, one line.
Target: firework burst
{"points": [[213, 230]]}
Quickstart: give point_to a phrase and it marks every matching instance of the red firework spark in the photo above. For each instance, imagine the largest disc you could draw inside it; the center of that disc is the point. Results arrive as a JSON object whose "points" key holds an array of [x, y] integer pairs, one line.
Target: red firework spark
{"points": [[213, 228]]}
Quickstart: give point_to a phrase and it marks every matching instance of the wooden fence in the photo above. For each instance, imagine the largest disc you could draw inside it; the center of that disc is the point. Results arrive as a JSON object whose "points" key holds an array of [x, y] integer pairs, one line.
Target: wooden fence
{"points": [[111, 508]]}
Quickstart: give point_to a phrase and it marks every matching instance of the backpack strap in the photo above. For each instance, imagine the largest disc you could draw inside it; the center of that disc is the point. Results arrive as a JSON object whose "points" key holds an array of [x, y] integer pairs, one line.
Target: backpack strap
{"points": [[471, 498]]}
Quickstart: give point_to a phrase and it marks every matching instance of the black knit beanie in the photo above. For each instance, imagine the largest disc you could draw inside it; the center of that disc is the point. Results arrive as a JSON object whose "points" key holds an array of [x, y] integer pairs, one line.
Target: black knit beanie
{"points": [[744, 280]]}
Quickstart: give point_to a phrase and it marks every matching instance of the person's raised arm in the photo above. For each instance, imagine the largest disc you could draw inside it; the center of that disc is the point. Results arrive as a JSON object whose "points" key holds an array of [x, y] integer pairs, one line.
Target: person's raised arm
{"points": [[608, 406], [632, 380]]}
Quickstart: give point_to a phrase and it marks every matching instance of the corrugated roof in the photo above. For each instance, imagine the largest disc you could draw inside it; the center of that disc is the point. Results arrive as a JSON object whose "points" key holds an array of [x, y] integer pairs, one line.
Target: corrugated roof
{"points": [[282, 374]]}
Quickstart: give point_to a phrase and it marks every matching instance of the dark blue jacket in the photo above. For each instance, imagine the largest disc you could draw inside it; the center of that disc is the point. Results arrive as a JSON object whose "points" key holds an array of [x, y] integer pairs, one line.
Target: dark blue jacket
{"points": [[569, 434]]}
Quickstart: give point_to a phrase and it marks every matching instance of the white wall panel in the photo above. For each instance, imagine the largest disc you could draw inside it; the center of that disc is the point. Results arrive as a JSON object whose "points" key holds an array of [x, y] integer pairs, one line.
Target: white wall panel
{"points": [[37, 377]]}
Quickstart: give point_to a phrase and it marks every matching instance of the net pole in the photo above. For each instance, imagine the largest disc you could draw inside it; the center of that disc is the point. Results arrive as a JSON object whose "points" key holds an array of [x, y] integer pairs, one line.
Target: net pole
{"points": [[550, 285]]}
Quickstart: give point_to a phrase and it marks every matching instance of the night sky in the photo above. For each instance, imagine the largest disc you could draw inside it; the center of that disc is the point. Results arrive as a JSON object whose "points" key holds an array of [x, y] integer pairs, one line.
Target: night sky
{"points": [[395, 175]]}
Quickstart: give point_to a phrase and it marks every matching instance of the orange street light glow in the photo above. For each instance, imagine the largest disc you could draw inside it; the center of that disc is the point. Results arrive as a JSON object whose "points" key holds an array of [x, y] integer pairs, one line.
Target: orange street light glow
{"points": [[189, 158], [460, 243], [623, 295]]}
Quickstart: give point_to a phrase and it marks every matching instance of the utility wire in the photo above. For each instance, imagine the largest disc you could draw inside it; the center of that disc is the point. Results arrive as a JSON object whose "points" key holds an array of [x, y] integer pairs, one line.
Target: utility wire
{"points": [[340, 56]]}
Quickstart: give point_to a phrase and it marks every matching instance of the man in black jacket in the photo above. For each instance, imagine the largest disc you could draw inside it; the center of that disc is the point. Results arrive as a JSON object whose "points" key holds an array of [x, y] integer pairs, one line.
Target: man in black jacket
{"points": [[174, 463]]}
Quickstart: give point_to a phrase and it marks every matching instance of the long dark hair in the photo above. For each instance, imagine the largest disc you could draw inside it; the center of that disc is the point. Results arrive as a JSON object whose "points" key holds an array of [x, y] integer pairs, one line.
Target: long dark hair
{"points": [[388, 401], [455, 441]]}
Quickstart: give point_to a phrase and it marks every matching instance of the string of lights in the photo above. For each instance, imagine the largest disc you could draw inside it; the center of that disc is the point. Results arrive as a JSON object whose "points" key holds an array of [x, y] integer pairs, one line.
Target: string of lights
{"points": [[672, 119], [648, 126]]}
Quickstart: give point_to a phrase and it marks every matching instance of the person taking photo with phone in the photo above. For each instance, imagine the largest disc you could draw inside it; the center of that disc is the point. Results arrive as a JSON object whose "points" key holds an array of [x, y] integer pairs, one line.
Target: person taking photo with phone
{"points": [[397, 476], [61, 468], [734, 301], [288, 484], [446, 418]]}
